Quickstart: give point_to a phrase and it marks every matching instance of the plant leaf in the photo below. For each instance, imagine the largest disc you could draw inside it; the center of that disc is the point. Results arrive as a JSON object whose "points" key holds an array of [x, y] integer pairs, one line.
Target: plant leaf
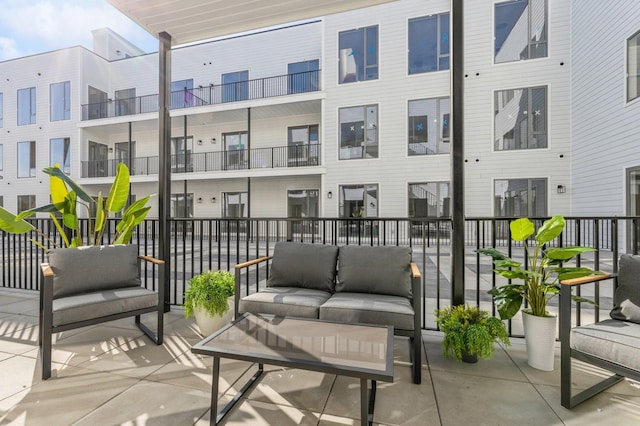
{"points": [[80, 192], [12, 224], [517, 274], [69, 216], [521, 229], [495, 254], [100, 216], [507, 263], [58, 190], [119, 192], [566, 253], [550, 229]]}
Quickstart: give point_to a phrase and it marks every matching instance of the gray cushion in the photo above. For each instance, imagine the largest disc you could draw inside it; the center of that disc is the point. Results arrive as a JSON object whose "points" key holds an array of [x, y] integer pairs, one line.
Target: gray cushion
{"points": [[368, 309], [88, 269], [90, 306], [626, 300], [375, 270], [611, 340], [285, 301], [303, 265]]}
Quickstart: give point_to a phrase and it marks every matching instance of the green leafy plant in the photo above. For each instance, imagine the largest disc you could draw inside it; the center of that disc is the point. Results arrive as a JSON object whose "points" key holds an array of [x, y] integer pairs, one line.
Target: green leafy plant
{"points": [[67, 197], [468, 330], [543, 271], [209, 291]]}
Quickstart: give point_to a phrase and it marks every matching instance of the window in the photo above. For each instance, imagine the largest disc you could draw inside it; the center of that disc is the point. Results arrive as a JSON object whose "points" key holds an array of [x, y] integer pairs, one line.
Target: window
{"points": [[429, 43], [302, 203], [303, 76], [358, 201], [235, 147], [182, 94], [59, 154], [122, 154], [125, 100], [1, 111], [303, 145], [26, 106], [26, 202], [60, 101], [633, 208], [429, 199], [358, 55], [97, 104], [26, 159], [235, 86], [235, 205], [359, 132], [181, 158], [633, 69], [520, 198], [182, 206], [1, 201], [520, 30], [98, 162], [520, 119], [428, 126], [1, 162]]}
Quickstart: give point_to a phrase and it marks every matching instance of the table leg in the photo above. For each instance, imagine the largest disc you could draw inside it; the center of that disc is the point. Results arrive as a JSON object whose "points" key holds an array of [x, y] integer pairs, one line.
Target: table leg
{"points": [[213, 420], [367, 402]]}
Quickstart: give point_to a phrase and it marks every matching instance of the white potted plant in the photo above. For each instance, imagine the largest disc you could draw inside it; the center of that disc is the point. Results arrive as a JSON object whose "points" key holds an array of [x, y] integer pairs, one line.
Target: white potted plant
{"points": [[209, 298], [538, 284]]}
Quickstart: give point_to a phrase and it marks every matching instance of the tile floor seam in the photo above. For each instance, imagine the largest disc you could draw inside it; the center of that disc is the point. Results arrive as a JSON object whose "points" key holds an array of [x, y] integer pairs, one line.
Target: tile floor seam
{"points": [[433, 384]]}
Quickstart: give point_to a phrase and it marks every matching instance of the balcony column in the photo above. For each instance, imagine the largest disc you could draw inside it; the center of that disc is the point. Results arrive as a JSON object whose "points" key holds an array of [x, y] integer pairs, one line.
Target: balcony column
{"points": [[130, 160], [249, 164], [457, 152], [164, 166]]}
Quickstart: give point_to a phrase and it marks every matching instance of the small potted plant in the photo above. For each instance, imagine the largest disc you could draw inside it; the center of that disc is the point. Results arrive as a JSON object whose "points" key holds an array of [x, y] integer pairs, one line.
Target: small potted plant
{"points": [[209, 298], [470, 332]]}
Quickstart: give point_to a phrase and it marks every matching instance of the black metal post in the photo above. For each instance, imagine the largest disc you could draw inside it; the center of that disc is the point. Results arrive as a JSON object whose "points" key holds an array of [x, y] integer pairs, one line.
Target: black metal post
{"points": [[164, 159], [130, 159], [457, 152]]}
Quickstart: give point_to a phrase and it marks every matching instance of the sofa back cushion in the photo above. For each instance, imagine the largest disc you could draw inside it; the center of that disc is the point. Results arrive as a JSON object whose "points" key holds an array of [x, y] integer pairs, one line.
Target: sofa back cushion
{"points": [[626, 299], [376, 270], [89, 269], [310, 266]]}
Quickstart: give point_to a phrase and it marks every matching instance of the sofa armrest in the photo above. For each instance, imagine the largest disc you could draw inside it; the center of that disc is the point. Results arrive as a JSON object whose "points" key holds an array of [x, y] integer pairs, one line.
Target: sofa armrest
{"points": [[588, 279], [152, 260], [239, 267], [416, 290]]}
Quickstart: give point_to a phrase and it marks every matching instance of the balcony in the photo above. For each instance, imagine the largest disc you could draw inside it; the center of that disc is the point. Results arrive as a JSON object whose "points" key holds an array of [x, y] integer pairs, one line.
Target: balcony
{"points": [[260, 88], [214, 161]]}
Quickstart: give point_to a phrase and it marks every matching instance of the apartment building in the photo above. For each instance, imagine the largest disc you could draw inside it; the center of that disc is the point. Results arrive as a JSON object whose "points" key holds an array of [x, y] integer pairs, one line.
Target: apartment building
{"points": [[344, 116]]}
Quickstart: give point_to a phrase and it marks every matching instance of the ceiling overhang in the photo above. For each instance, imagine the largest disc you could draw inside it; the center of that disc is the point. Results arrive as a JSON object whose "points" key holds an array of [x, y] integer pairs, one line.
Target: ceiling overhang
{"points": [[188, 21]]}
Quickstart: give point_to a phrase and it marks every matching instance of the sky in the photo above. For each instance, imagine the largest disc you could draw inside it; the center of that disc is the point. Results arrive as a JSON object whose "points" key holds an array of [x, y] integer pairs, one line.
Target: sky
{"points": [[29, 27]]}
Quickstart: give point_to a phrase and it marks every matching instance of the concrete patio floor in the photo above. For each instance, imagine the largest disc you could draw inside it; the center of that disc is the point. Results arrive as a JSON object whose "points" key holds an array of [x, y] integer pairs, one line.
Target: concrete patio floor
{"points": [[112, 375]]}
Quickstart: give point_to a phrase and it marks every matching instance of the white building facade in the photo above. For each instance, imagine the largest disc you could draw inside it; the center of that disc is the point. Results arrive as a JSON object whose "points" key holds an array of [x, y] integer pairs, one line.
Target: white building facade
{"points": [[344, 116]]}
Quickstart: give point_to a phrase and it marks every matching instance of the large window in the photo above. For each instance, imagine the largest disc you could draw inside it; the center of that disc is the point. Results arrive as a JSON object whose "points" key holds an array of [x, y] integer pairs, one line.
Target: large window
{"points": [[26, 106], [429, 199], [59, 154], [98, 101], [60, 101], [429, 43], [182, 94], [1, 111], [98, 162], [358, 55], [181, 158], [235, 205], [182, 206], [235, 86], [520, 30], [521, 118], [633, 208], [1, 162], [358, 201], [633, 68], [26, 159], [235, 150], [303, 146], [122, 150], [303, 76], [302, 203], [26, 202], [520, 198], [359, 132], [125, 100], [428, 126]]}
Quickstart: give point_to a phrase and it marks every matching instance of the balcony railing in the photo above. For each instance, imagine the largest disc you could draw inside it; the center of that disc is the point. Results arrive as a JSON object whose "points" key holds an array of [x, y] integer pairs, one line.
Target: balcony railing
{"points": [[260, 88], [210, 244], [215, 161]]}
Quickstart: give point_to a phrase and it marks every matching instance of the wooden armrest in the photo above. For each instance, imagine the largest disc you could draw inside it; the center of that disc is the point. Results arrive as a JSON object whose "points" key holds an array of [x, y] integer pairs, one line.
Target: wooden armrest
{"points": [[252, 262], [152, 260], [587, 279], [46, 270], [415, 272]]}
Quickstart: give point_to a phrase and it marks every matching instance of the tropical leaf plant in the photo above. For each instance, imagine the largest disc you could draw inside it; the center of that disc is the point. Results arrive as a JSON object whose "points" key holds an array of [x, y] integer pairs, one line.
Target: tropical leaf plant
{"points": [[539, 280], [68, 198]]}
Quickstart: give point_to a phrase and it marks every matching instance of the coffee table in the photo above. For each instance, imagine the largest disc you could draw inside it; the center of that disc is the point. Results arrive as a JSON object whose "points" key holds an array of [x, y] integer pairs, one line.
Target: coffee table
{"points": [[362, 351]]}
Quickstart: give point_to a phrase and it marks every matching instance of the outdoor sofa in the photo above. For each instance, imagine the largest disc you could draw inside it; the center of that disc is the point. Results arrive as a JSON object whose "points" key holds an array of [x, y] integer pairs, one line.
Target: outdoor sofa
{"points": [[347, 284]]}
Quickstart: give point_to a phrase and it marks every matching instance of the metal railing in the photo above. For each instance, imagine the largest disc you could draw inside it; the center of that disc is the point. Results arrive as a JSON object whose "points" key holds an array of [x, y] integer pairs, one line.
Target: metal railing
{"points": [[210, 244], [268, 87], [214, 161]]}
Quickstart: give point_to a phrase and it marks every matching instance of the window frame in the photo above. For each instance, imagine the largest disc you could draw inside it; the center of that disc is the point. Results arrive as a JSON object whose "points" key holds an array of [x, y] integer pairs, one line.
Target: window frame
{"points": [[1, 110], [364, 146], [529, 32], [442, 208], [31, 200], [532, 134], [628, 72], [532, 197], [442, 133], [54, 106], [366, 66], [364, 208], [439, 43], [65, 164], [31, 107], [31, 159]]}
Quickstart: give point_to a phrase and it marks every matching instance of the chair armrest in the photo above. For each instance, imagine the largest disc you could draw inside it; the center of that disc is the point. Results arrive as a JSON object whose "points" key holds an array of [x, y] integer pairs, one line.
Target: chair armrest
{"points": [[587, 279], [416, 290], [152, 260], [239, 267], [415, 271], [46, 270]]}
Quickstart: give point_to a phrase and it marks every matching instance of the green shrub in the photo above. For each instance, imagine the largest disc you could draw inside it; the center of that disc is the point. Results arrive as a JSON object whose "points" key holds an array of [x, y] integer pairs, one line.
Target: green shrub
{"points": [[209, 291]]}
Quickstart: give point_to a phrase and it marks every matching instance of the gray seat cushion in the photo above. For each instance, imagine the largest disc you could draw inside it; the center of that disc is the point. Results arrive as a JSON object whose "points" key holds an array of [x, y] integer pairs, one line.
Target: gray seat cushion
{"points": [[285, 301], [89, 269], [310, 266], [99, 304], [626, 300], [368, 309], [611, 340], [375, 270]]}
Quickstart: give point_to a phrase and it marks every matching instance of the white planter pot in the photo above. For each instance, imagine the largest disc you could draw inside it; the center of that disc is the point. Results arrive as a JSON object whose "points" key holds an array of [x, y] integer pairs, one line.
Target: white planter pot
{"points": [[540, 338], [208, 324]]}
